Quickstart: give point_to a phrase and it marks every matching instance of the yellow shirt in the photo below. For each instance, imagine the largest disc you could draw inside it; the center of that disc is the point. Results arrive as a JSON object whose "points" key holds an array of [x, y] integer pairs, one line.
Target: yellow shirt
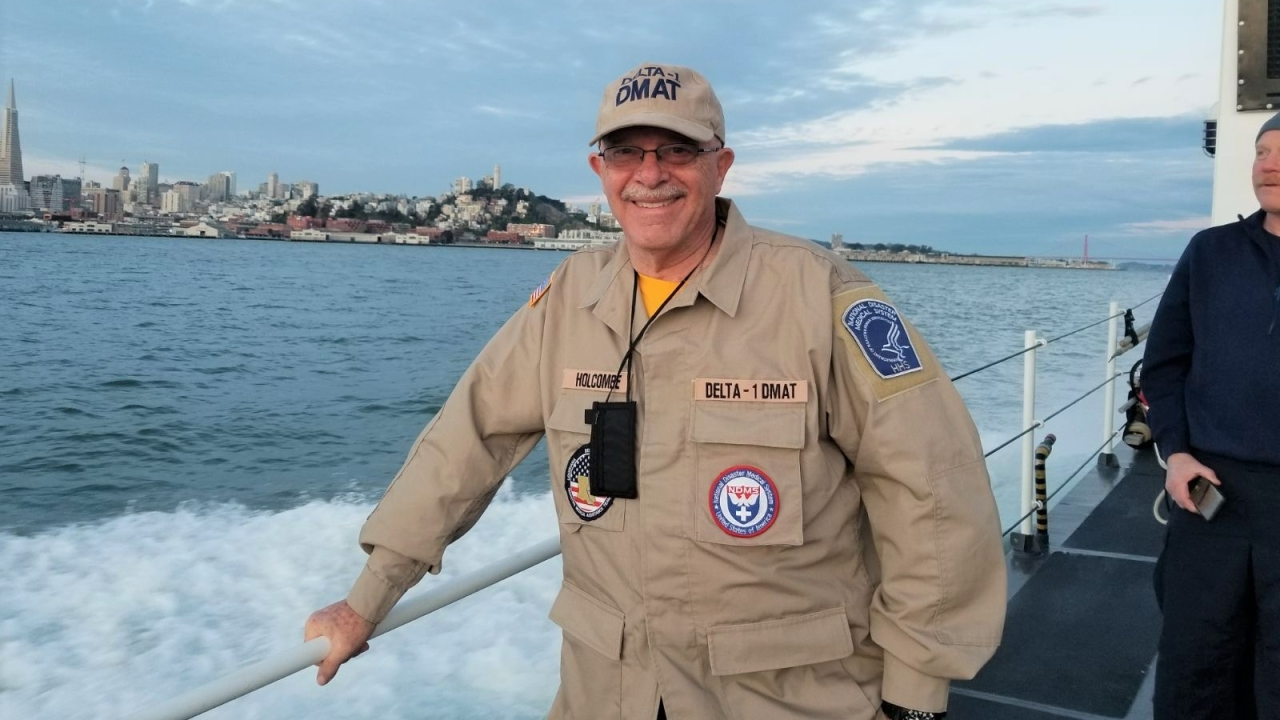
{"points": [[654, 292]]}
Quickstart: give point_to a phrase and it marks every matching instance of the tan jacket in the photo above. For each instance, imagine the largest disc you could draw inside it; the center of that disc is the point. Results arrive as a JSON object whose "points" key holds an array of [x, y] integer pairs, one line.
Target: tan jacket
{"points": [[814, 527]]}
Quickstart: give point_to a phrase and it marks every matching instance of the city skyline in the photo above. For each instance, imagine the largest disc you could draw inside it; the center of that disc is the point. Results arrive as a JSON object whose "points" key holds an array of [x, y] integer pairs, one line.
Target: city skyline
{"points": [[1000, 127]]}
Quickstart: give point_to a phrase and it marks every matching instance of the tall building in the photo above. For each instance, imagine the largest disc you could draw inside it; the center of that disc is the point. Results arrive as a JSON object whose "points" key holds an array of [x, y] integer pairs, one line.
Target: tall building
{"points": [[13, 198], [273, 185], [105, 203], [176, 201], [309, 189], [220, 187], [46, 193], [462, 185], [497, 177], [71, 193], [121, 180], [149, 182], [13, 192], [10, 148], [189, 192]]}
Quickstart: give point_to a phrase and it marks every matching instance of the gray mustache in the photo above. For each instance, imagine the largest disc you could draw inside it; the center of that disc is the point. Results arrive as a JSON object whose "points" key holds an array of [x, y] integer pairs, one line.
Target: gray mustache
{"points": [[660, 194]]}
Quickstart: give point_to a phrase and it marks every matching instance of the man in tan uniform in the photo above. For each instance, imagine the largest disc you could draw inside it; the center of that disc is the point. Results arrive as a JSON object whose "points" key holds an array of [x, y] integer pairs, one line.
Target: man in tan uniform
{"points": [[809, 530]]}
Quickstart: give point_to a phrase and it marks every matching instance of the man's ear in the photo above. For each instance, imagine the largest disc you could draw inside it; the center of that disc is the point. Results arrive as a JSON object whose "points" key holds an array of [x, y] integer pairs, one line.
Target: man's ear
{"points": [[724, 161]]}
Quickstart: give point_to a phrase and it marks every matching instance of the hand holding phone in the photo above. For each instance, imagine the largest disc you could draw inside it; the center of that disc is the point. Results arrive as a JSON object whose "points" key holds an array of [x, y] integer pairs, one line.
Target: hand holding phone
{"points": [[1206, 496]]}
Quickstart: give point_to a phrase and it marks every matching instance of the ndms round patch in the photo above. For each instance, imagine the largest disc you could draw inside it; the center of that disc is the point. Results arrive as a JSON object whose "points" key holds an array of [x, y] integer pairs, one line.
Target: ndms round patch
{"points": [[744, 501], [577, 485], [882, 337]]}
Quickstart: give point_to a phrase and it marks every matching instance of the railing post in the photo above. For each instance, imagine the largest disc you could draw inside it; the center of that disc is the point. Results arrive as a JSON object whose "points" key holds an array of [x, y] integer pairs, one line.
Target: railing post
{"points": [[1025, 539], [1107, 458]]}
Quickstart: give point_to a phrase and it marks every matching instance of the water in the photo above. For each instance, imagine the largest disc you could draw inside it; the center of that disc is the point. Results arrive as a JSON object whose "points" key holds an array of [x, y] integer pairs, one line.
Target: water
{"points": [[192, 432]]}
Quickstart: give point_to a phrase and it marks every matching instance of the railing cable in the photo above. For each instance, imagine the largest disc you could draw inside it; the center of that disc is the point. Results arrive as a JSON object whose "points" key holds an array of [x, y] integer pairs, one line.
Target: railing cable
{"points": [[1050, 416], [1020, 353], [1010, 441], [1042, 343], [1066, 407]]}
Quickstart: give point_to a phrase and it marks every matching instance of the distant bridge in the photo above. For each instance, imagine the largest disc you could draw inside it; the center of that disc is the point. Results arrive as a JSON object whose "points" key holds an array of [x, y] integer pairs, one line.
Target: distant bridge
{"points": [[1110, 258]]}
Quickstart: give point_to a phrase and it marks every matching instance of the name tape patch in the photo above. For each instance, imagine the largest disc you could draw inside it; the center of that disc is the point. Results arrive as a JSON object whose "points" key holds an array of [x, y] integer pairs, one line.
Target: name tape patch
{"points": [[593, 380], [778, 391], [577, 486], [744, 501], [879, 332]]}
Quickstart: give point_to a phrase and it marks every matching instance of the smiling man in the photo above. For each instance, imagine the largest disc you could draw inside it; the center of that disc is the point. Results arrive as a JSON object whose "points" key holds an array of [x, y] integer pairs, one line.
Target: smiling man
{"points": [[772, 502]]}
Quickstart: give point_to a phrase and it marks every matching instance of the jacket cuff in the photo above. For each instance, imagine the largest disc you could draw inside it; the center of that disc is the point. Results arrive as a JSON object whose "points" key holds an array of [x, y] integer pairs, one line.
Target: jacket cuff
{"points": [[906, 686], [372, 597], [1172, 443]]}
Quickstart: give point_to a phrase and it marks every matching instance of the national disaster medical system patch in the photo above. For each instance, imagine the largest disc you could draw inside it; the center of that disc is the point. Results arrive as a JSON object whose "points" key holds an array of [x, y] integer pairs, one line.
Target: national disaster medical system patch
{"points": [[744, 501], [880, 334]]}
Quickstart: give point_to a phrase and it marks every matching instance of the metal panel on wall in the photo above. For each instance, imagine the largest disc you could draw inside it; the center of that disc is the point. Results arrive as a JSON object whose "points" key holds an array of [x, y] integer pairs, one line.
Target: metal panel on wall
{"points": [[1258, 57]]}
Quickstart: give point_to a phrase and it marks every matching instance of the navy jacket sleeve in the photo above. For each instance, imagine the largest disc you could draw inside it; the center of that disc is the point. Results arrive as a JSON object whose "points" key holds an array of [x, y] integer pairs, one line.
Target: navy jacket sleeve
{"points": [[1167, 360]]}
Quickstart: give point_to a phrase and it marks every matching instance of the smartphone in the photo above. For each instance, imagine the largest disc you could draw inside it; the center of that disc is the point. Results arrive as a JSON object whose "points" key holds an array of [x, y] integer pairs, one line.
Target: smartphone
{"points": [[1208, 500]]}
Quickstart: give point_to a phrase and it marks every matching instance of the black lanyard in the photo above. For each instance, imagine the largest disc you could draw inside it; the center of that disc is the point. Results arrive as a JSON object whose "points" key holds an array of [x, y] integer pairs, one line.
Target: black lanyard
{"points": [[626, 358], [612, 463]]}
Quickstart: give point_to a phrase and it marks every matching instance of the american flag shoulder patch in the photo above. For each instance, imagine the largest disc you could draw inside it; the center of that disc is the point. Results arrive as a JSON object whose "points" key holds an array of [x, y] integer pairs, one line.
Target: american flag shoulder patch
{"points": [[541, 290]]}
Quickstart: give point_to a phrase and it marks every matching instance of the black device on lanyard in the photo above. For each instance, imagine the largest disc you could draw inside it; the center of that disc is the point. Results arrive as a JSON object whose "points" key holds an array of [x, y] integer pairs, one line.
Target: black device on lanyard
{"points": [[613, 424]]}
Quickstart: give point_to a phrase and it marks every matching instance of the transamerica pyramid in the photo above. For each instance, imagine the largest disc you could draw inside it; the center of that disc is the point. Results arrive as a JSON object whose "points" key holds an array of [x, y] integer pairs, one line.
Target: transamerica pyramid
{"points": [[10, 148]]}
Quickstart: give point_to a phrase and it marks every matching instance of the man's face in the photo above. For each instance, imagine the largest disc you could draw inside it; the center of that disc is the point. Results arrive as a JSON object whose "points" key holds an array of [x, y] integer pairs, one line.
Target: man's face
{"points": [[1266, 171], [662, 206]]}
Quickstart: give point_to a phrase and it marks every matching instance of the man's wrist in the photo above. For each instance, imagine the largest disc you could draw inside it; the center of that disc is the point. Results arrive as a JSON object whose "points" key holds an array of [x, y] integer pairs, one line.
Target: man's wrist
{"points": [[897, 712]]}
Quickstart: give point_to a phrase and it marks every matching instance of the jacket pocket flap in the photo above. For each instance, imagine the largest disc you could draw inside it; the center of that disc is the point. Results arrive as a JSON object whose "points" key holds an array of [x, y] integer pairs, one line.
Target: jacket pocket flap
{"points": [[570, 412], [734, 424], [777, 644], [588, 620]]}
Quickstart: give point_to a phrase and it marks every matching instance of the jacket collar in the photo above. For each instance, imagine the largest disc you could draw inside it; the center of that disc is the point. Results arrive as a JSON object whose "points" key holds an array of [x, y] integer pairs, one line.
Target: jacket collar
{"points": [[721, 282]]}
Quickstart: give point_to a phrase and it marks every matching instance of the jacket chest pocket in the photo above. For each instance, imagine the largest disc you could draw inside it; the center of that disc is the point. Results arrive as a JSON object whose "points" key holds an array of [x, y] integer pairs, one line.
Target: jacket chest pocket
{"points": [[568, 440], [747, 488]]}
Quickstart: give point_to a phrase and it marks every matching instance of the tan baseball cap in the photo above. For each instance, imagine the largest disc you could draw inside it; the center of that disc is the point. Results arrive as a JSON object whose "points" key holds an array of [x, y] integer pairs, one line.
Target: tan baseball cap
{"points": [[666, 96]]}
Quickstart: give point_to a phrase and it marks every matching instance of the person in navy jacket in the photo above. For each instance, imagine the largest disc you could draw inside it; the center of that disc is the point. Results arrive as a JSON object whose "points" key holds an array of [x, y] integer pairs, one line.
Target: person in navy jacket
{"points": [[1211, 374]]}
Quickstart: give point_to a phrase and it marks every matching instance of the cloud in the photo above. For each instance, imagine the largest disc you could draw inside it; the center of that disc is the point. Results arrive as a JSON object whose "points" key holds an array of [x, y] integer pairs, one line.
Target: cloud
{"points": [[1121, 135], [1163, 227], [504, 112], [1051, 11], [1002, 203]]}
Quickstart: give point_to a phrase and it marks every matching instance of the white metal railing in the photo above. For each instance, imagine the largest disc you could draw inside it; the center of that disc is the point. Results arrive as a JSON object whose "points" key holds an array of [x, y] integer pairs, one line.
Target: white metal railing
{"points": [[281, 665], [1108, 415], [301, 657], [1032, 344]]}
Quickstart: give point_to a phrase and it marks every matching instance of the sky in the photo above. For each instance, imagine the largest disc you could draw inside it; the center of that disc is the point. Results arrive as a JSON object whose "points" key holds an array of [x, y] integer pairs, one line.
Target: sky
{"points": [[994, 126]]}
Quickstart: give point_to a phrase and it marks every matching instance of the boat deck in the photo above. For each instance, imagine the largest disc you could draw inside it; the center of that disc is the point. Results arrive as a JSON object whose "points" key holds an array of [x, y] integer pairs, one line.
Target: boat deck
{"points": [[1082, 629]]}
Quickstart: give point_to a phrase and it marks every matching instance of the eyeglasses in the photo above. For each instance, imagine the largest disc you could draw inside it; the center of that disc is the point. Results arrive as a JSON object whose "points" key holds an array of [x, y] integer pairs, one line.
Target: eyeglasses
{"points": [[626, 156]]}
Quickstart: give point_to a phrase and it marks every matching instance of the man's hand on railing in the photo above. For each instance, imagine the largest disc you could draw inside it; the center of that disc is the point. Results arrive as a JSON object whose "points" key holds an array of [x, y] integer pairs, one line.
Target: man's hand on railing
{"points": [[348, 635], [1183, 468]]}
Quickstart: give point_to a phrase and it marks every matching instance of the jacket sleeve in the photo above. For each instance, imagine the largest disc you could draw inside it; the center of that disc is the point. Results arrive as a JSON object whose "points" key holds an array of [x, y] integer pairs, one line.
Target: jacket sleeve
{"points": [[938, 612], [1167, 361], [490, 422]]}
